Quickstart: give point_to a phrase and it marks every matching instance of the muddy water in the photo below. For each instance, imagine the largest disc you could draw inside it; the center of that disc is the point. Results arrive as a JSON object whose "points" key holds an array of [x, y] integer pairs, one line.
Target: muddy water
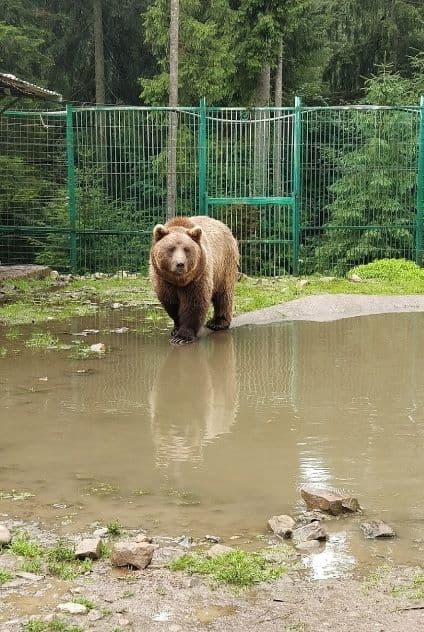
{"points": [[218, 436]]}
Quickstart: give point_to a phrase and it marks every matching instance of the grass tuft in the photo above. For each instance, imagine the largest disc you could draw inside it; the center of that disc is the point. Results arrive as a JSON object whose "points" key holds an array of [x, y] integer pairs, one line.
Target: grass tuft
{"points": [[23, 546], [114, 528], [5, 576], [238, 568], [55, 625]]}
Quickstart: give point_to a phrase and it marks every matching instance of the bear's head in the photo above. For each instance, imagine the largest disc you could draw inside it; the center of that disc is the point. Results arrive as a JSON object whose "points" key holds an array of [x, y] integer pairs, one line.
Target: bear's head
{"points": [[177, 252]]}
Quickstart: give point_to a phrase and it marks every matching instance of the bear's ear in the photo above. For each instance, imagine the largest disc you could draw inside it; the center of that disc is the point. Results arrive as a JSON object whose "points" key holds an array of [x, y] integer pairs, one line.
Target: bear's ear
{"points": [[159, 231], [195, 233]]}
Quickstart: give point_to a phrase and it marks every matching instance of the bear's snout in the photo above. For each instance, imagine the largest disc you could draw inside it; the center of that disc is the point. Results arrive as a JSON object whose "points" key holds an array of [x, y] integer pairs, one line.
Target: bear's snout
{"points": [[179, 266]]}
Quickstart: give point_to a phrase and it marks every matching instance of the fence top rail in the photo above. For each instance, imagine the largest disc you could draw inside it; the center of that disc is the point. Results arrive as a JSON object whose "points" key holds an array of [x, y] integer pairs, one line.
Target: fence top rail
{"points": [[195, 110]]}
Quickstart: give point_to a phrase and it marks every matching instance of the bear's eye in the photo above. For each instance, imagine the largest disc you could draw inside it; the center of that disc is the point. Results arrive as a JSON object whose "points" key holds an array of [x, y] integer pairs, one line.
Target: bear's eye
{"points": [[171, 249], [186, 250]]}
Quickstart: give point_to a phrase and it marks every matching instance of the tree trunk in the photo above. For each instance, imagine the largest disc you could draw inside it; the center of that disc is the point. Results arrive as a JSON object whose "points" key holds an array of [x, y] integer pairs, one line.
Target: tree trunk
{"points": [[173, 103], [263, 90], [99, 57], [278, 123]]}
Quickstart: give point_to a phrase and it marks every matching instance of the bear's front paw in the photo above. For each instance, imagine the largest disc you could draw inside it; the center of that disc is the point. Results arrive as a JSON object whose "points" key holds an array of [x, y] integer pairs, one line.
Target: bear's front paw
{"points": [[182, 337]]}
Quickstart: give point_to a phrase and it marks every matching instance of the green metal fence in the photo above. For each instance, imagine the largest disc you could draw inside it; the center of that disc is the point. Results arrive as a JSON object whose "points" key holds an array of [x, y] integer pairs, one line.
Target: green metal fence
{"points": [[303, 189]]}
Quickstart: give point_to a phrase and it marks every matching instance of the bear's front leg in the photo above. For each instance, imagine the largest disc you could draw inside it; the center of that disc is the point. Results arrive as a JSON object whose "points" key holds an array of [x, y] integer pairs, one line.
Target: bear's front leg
{"points": [[192, 315], [170, 302]]}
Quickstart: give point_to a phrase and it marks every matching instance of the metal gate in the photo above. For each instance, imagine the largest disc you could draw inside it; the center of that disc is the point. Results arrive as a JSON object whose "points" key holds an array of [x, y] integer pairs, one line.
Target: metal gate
{"points": [[250, 178]]}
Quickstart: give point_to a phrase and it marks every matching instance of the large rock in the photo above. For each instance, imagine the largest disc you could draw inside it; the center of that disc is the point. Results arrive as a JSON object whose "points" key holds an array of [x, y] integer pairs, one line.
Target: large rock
{"points": [[312, 531], [5, 537], [328, 501], [282, 525], [89, 548], [136, 554], [165, 554], [218, 549], [377, 529]]}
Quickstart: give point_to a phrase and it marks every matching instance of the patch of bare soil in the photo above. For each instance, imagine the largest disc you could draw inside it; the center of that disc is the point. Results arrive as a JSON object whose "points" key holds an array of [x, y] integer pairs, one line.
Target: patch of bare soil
{"points": [[328, 307], [158, 599]]}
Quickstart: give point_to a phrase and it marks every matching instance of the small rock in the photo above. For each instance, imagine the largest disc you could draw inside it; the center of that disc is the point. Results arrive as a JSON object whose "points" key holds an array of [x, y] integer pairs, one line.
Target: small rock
{"points": [[43, 379], [142, 537], [185, 542], [310, 546], [325, 500], [281, 525], [54, 274], [95, 615], [312, 531], [218, 549], [213, 538], [163, 555], [89, 548], [5, 537], [117, 305], [76, 591], [306, 517], [128, 553], [377, 529], [355, 278], [121, 330], [99, 347], [30, 576], [72, 608], [100, 533], [302, 282], [123, 622]]}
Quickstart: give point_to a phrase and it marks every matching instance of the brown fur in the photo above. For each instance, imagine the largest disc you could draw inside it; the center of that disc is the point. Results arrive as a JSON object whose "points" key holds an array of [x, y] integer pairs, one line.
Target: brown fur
{"points": [[193, 262]]}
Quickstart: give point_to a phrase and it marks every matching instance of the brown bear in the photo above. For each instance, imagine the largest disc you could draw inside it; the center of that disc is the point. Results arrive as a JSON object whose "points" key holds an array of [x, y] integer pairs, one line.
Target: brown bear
{"points": [[193, 262]]}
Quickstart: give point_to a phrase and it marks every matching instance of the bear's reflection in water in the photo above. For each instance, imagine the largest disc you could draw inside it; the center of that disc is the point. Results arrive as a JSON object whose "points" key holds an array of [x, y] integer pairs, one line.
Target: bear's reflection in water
{"points": [[193, 399]]}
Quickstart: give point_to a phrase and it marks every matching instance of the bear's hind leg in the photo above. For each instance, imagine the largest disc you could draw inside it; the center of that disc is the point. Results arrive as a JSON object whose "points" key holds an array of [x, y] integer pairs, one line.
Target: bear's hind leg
{"points": [[223, 310]]}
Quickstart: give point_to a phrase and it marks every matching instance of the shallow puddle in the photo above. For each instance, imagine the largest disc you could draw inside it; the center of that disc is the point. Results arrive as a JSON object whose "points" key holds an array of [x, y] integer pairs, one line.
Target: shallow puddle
{"points": [[218, 436]]}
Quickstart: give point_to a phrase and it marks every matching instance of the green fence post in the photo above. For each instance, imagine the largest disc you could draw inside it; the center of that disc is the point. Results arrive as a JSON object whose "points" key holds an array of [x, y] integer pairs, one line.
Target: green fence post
{"points": [[297, 181], [72, 206], [420, 190], [202, 158]]}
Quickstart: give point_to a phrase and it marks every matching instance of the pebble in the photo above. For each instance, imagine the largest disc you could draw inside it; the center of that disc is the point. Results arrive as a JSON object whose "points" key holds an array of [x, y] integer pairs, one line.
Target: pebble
{"points": [[88, 548], [99, 347], [218, 549], [100, 533]]}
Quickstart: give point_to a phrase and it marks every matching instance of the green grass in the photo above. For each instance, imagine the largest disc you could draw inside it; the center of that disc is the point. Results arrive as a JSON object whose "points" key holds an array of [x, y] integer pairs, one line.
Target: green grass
{"points": [[238, 568], [33, 565], [413, 590], [23, 546], [84, 602], [394, 270], [61, 561], [39, 301], [105, 550], [60, 558], [42, 341], [69, 570], [5, 576], [114, 528], [55, 625]]}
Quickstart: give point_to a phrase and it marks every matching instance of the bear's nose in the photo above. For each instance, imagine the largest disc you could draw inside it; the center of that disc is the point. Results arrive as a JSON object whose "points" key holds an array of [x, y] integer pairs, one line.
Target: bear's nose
{"points": [[180, 265]]}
